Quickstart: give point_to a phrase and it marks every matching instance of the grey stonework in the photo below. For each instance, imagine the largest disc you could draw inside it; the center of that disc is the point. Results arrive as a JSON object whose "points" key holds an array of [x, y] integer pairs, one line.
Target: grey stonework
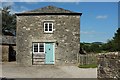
{"points": [[5, 44], [109, 65], [66, 36], [5, 51], [8, 40]]}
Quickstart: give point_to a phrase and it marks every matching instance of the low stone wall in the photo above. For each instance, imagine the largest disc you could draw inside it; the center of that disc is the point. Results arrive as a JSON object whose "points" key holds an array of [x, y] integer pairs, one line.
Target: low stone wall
{"points": [[109, 65]]}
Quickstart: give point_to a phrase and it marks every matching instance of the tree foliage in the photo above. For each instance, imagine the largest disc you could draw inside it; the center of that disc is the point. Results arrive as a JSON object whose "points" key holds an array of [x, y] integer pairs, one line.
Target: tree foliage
{"points": [[8, 20], [91, 47], [111, 46], [116, 40]]}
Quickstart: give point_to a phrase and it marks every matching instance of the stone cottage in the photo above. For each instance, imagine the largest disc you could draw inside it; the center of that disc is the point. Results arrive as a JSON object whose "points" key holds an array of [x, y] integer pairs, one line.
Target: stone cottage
{"points": [[8, 47], [48, 35]]}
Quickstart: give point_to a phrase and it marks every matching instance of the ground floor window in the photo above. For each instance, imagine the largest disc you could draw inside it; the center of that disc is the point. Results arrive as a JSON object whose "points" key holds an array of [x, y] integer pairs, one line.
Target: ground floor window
{"points": [[38, 47]]}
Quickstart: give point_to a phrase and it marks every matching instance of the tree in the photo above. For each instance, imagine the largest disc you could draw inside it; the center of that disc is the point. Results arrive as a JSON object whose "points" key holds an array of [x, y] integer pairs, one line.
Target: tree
{"points": [[113, 44], [8, 20], [95, 48], [91, 47], [109, 46], [116, 40]]}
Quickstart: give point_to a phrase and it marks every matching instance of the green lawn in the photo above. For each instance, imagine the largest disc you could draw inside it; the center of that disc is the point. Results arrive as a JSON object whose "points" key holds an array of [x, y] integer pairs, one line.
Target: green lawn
{"points": [[88, 66]]}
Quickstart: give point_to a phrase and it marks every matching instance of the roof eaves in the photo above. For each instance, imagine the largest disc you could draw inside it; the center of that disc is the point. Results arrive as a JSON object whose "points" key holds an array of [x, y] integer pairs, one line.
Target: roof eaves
{"points": [[24, 14]]}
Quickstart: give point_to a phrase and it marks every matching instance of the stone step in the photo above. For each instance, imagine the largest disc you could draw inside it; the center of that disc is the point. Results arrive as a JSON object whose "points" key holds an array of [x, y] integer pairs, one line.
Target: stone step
{"points": [[38, 60], [38, 63], [38, 57]]}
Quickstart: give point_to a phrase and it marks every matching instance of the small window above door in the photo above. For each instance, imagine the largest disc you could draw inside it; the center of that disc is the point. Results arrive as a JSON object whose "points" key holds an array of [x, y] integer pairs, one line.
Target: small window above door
{"points": [[48, 27]]}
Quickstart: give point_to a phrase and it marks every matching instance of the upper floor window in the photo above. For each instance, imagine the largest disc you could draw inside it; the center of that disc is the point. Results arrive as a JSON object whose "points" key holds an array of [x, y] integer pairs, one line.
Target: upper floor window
{"points": [[48, 27]]}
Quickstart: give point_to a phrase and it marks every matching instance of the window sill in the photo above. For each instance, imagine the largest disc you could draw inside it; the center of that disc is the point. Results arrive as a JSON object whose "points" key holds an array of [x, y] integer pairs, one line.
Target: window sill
{"points": [[48, 32], [38, 52]]}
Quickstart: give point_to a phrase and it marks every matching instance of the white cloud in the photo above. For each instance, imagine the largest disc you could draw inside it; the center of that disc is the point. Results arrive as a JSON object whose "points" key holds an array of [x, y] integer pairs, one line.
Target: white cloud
{"points": [[101, 17], [0, 6], [91, 32], [19, 9], [15, 8], [31, 2], [7, 4], [11, 4], [87, 32], [12, 11], [23, 8]]}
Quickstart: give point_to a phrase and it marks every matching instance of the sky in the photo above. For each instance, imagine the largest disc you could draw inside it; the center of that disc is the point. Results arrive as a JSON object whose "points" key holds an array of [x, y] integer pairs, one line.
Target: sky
{"points": [[98, 22], [60, 0]]}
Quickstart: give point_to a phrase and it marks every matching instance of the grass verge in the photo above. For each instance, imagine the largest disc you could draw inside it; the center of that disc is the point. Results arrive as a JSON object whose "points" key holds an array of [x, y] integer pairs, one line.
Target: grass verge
{"points": [[88, 66]]}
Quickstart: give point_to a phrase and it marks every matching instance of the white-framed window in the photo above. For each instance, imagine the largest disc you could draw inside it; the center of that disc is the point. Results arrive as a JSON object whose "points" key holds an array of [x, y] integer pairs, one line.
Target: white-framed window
{"points": [[48, 27], [38, 47]]}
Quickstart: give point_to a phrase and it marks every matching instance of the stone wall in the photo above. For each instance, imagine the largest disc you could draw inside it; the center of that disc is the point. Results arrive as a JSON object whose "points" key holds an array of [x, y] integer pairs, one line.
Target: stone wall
{"points": [[66, 33], [5, 52], [0, 53], [109, 65]]}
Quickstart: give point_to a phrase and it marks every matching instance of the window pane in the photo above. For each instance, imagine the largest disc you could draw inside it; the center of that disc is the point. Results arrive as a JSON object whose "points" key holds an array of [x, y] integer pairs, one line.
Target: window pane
{"points": [[50, 27], [41, 47], [35, 47], [46, 27]]}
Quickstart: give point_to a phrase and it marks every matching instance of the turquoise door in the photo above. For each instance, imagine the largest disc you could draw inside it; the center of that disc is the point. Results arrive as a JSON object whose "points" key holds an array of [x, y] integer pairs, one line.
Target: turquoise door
{"points": [[49, 53]]}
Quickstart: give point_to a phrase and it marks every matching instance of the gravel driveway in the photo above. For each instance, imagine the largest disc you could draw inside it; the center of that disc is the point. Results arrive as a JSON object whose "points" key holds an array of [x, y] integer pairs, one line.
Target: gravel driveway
{"points": [[12, 70]]}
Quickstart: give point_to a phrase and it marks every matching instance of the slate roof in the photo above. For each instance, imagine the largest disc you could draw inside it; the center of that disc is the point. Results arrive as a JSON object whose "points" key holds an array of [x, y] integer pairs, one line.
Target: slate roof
{"points": [[49, 10], [8, 40]]}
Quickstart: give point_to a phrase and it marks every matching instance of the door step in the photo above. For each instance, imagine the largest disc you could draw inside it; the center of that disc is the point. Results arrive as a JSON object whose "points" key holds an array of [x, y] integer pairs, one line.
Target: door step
{"points": [[38, 63], [39, 60]]}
